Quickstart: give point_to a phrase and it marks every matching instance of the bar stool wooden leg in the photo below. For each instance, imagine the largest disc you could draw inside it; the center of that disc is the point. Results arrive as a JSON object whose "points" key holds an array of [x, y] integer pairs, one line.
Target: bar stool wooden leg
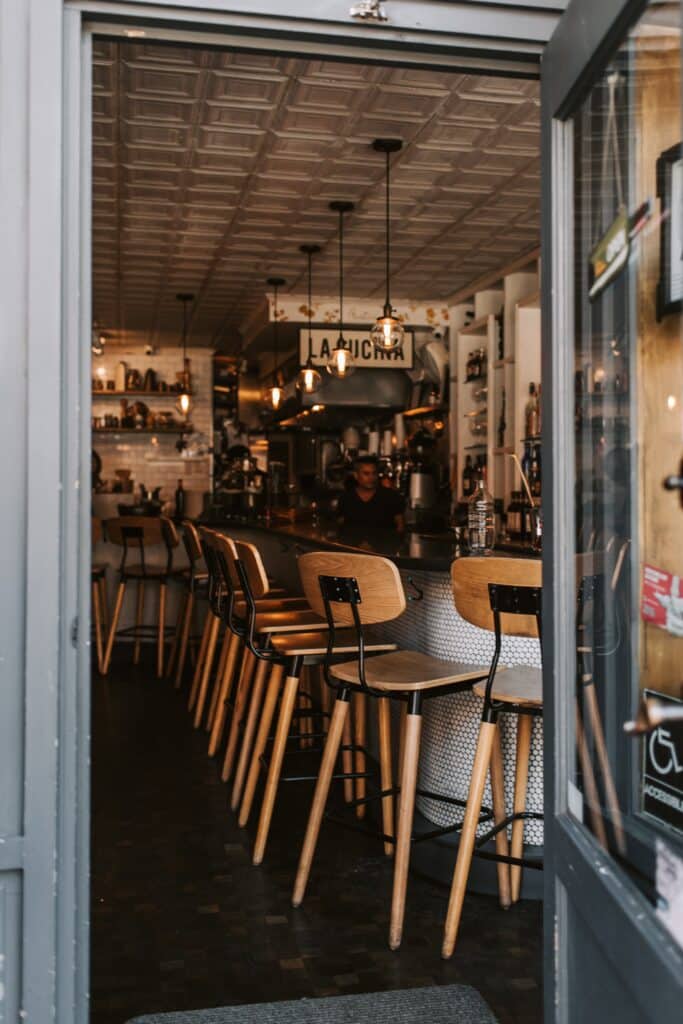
{"points": [[589, 784], [104, 604], [241, 695], [97, 622], [184, 636], [591, 704], [248, 738], [406, 808], [113, 627], [269, 704], [385, 769], [322, 788], [524, 727], [284, 724], [175, 646], [498, 793], [196, 678], [161, 630], [139, 615], [482, 759], [215, 693], [347, 760], [360, 730], [401, 741], [232, 647], [206, 671]]}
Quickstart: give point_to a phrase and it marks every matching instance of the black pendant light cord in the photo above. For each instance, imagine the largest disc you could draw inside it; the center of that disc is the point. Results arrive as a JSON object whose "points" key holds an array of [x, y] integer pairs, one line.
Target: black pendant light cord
{"points": [[275, 341], [388, 300], [310, 300], [341, 276]]}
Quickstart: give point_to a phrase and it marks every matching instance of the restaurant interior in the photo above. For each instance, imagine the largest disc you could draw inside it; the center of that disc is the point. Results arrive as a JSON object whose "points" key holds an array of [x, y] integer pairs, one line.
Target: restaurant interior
{"points": [[298, 264]]}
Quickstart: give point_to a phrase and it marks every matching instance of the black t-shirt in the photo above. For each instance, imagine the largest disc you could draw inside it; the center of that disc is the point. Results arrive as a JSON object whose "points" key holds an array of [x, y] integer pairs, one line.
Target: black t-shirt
{"points": [[379, 512]]}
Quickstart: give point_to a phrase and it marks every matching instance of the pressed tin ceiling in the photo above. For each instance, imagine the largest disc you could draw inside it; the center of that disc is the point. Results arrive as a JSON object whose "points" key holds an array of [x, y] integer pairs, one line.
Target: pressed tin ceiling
{"points": [[211, 168]]}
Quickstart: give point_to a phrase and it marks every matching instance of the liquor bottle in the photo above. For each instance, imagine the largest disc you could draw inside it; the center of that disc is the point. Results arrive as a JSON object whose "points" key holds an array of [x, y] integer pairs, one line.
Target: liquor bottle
{"points": [[480, 523], [483, 362], [501, 421], [535, 474], [179, 500], [531, 413], [467, 477], [526, 461]]}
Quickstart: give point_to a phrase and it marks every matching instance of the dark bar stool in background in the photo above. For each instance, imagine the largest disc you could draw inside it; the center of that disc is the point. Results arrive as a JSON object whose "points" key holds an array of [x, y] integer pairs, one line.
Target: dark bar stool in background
{"points": [[98, 579], [195, 583], [136, 535], [503, 593]]}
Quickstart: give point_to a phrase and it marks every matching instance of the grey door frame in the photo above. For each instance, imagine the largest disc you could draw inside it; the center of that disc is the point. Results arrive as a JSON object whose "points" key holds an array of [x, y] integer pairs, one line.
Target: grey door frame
{"points": [[579, 876], [47, 261]]}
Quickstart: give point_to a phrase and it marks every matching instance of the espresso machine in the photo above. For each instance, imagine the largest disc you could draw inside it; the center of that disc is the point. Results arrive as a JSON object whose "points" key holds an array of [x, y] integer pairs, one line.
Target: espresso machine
{"points": [[420, 481]]}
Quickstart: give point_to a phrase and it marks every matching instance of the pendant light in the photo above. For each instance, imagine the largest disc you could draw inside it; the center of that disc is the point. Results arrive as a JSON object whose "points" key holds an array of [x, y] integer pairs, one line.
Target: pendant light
{"points": [[308, 379], [184, 401], [342, 362], [273, 394], [387, 332]]}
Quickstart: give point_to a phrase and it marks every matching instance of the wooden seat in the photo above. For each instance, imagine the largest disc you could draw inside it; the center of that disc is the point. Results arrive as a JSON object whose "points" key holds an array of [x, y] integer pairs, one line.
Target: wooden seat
{"points": [[502, 594], [518, 685], [407, 671], [358, 591], [315, 644], [139, 534]]}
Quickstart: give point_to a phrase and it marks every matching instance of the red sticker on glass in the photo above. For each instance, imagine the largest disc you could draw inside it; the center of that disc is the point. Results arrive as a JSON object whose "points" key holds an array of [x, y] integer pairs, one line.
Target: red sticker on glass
{"points": [[662, 600]]}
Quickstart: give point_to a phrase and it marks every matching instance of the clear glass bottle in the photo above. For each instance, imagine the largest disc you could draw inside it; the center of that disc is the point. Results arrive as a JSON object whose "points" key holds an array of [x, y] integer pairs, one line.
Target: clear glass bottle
{"points": [[480, 523]]}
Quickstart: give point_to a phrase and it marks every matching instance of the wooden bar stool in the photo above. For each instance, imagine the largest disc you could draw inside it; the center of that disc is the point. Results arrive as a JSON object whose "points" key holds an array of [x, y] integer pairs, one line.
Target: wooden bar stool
{"points": [[279, 615], [353, 592], [98, 580], [274, 599], [503, 594], [138, 534], [195, 583], [289, 651], [226, 603]]}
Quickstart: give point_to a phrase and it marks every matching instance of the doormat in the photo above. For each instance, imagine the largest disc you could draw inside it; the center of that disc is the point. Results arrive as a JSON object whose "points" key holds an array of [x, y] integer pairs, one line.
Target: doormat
{"points": [[447, 1004]]}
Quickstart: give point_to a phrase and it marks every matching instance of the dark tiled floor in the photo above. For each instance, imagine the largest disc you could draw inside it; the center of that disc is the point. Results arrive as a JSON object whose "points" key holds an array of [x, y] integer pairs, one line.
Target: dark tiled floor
{"points": [[181, 919]]}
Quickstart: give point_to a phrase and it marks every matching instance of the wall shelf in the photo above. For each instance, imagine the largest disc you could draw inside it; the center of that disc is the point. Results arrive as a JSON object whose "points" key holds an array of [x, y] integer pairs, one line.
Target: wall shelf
{"points": [[185, 428]]}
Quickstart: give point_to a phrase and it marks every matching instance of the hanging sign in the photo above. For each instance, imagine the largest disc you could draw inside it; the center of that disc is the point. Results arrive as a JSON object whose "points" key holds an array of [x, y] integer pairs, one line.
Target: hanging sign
{"points": [[324, 342], [610, 254], [663, 768]]}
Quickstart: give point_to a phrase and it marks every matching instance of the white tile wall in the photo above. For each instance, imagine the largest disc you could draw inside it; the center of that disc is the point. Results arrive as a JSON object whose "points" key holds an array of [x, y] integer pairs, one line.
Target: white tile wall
{"points": [[129, 451]]}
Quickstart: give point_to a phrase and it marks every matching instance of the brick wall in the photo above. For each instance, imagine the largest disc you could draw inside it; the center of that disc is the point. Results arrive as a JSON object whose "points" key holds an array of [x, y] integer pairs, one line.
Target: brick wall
{"points": [[146, 454]]}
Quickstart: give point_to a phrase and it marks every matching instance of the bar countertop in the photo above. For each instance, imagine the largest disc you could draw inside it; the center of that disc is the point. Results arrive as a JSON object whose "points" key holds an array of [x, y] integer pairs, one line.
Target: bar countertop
{"points": [[432, 552]]}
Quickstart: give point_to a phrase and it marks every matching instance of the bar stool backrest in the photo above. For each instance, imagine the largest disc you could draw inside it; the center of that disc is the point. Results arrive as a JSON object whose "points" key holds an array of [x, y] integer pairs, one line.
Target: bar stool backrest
{"points": [[471, 579], [137, 533], [250, 558], [192, 542], [375, 581]]}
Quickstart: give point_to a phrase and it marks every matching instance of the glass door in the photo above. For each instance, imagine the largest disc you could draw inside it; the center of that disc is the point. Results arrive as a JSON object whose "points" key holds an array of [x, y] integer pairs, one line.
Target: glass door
{"points": [[616, 901]]}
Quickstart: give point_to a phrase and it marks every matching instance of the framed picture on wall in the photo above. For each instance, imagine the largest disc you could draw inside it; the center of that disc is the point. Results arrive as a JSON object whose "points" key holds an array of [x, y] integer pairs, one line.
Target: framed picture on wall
{"points": [[670, 192]]}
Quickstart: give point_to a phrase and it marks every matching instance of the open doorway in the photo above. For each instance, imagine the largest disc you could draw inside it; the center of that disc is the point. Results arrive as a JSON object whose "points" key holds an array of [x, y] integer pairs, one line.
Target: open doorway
{"points": [[211, 168]]}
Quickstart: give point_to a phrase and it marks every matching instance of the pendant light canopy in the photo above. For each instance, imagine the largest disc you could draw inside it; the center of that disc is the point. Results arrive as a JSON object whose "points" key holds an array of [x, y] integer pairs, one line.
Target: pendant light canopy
{"points": [[184, 400], [342, 362], [387, 332], [308, 379], [273, 394]]}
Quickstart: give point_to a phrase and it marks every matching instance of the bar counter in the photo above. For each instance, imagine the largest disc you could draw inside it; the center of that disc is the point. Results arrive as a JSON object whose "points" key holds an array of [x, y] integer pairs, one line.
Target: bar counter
{"points": [[429, 624]]}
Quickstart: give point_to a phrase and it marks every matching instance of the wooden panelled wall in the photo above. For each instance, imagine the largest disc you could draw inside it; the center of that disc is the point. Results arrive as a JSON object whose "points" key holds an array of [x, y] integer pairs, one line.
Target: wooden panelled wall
{"points": [[660, 355]]}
